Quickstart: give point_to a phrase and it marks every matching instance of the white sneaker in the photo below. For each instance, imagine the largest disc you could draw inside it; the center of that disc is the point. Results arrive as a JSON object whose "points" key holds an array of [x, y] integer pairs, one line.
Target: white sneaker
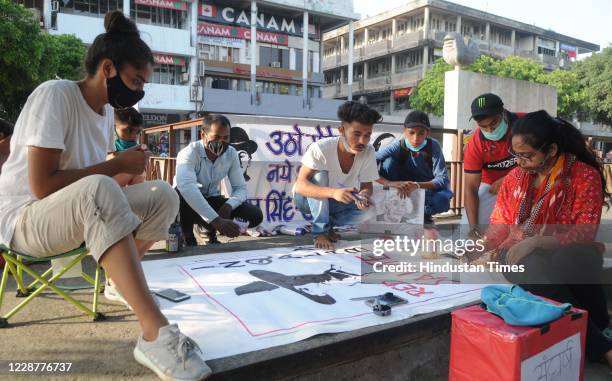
{"points": [[111, 293], [172, 356]]}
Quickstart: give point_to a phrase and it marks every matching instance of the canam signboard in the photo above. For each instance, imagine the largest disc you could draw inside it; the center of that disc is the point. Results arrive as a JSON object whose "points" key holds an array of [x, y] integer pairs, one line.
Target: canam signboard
{"points": [[166, 4], [217, 30], [164, 59], [230, 15]]}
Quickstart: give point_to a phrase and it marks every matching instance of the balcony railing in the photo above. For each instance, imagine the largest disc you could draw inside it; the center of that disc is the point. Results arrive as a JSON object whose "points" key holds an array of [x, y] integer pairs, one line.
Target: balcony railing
{"points": [[500, 50], [379, 81], [407, 77], [437, 35], [358, 55], [331, 62], [407, 41], [549, 62], [379, 48], [338, 90]]}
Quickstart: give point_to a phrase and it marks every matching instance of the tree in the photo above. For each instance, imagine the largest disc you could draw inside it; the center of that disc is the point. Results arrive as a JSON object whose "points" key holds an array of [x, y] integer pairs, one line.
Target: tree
{"points": [[70, 53], [570, 97], [429, 93], [518, 68], [30, 57], [23, 48], [594, 75], [428, 96]]}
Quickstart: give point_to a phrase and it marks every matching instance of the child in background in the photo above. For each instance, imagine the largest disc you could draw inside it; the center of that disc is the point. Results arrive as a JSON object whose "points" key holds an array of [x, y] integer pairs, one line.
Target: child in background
{"points": [[128, 125]]}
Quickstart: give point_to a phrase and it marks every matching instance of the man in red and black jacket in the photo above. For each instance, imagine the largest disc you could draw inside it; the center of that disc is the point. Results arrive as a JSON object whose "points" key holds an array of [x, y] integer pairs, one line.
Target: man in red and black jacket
{"points": [[486, 158]]}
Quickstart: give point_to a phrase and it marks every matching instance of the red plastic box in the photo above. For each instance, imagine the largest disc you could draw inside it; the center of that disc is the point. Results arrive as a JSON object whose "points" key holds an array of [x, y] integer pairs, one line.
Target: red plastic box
{"points": [[484, 347]]}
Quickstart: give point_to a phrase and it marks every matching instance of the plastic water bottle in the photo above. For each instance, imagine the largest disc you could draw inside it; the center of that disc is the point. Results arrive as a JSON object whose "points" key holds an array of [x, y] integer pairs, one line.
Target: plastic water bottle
{"points": [[291, 231], [173, 243]]}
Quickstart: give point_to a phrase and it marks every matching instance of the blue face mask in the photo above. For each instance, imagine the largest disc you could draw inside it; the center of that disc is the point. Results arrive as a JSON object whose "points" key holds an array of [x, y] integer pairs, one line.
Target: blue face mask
{"points": [[122, 144], [498, 133], [415, 149]]}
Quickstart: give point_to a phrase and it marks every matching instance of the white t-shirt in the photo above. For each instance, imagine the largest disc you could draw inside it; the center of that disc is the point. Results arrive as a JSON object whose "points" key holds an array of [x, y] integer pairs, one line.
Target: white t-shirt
{"points": [[55, 116], [323, 156]]}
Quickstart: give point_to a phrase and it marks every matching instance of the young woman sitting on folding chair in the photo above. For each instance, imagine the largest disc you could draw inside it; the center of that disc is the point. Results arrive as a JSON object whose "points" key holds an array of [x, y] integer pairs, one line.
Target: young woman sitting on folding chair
{"points": [[57, 191]]}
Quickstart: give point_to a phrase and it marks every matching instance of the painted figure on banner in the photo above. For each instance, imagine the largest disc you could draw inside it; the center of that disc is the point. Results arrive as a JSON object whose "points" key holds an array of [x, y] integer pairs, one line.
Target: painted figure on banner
{"points": [[246, 147], [307, 285], [396, 214]]}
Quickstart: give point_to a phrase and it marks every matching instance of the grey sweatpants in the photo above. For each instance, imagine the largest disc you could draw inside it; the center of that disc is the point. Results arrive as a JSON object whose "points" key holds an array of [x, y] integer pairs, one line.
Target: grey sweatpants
{"points": [[97, 211]]}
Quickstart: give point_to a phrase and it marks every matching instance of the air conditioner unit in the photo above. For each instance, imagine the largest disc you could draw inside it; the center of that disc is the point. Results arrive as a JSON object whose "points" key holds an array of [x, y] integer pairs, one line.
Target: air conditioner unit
{"points": [[275, 64], [203, 55], [184, 78], [55, 6]]}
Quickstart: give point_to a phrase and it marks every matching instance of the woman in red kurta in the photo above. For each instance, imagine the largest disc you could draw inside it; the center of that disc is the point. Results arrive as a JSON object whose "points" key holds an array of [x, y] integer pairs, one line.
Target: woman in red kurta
{"points": [[574, 198], [546, 218]]}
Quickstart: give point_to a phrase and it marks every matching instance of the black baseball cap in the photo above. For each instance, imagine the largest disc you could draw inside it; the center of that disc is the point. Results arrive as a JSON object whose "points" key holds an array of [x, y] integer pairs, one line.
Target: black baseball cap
{"points": [[487, 105], [417, 118]]}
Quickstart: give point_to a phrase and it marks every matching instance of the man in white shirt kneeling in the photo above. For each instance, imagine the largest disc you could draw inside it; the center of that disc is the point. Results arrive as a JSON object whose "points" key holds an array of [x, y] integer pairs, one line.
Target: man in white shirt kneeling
{"points": [[334, 184]]}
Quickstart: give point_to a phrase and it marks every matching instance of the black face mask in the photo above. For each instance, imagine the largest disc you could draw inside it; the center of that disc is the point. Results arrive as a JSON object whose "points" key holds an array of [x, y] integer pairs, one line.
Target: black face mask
{"points": [[217, 147], [121, 96]]}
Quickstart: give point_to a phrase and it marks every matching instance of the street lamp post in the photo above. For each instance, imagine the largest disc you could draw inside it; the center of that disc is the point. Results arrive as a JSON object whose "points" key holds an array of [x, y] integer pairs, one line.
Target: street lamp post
{"points": [[196, 94]]}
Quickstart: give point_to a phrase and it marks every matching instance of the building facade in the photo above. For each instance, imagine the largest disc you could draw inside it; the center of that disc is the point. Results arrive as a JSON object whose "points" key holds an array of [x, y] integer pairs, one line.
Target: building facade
{"points": [[244, 57], [393, 50]]}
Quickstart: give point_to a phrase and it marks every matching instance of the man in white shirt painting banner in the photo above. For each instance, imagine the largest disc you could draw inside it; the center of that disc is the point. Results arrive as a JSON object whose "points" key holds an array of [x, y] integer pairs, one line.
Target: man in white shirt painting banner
{"points": [[334, 184]]}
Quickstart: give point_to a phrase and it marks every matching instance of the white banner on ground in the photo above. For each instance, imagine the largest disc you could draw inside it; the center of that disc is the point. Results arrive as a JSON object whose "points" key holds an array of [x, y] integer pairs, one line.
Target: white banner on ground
{"points": [[251, 300]]}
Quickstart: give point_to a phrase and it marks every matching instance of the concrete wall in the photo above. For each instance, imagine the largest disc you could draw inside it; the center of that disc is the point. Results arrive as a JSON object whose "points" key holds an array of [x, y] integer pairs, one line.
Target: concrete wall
{"points": [[84, 27], [160, 39], [461, 87], [229, 101], [170, 98], [298, 42], [525, 43], [167, 40]]}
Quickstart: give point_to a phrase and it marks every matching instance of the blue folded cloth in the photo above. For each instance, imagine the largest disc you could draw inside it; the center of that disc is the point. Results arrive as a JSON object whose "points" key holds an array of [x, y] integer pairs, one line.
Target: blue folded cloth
{"points": [[518, 307]]}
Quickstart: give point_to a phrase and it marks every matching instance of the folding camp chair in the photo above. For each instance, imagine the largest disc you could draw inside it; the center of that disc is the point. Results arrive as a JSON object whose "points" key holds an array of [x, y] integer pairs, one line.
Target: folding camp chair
{"points": [[17, 264]]}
